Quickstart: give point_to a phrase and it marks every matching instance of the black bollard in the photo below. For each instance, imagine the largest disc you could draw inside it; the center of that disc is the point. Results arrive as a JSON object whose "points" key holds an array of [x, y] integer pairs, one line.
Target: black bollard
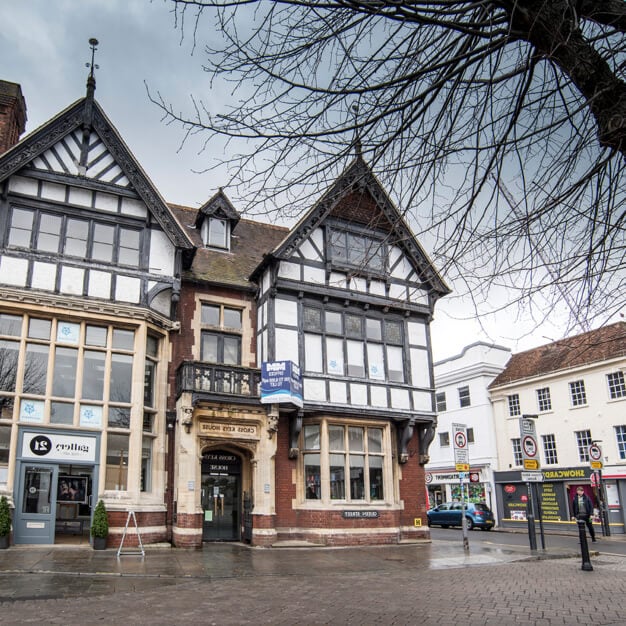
{"points": [[584, 546]]}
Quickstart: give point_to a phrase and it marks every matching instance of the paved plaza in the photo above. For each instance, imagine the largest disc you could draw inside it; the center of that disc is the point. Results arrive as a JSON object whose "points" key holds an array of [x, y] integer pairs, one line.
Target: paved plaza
{"points": [[222, 584]]}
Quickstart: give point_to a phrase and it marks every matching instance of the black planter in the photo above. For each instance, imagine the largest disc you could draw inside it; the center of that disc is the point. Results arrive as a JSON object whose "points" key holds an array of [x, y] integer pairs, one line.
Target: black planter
{"points": [[99, 543], [4, 542]]}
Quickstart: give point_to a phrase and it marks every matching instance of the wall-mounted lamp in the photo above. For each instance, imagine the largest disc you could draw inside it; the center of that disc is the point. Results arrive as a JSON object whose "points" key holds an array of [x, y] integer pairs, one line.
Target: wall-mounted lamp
{"points": [[170, 419]]}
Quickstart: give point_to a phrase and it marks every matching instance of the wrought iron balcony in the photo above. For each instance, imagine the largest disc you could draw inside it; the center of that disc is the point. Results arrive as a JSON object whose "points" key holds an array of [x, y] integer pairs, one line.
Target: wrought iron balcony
{"points": [[220, 381]]}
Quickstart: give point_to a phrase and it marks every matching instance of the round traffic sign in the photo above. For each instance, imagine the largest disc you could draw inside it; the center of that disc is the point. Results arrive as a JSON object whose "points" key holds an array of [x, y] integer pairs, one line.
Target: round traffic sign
{"points": [[595, 453], [460, 439], [529, 446]]}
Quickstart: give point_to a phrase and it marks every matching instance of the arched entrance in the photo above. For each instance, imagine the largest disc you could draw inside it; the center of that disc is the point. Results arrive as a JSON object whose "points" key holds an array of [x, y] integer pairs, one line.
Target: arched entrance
{"points": [[221, 496]]}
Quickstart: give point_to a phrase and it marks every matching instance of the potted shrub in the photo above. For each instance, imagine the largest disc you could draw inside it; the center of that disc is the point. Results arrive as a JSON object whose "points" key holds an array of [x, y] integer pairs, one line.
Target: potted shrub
{"points": [[100, 527], [5, 522]]}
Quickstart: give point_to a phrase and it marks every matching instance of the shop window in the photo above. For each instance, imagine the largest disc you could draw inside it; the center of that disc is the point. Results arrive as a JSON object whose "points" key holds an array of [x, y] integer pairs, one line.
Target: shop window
{"points": [[583, 441], [117, 462], [5, 446], [514, 405], [617, 386], [345, 463], [549, 449], [577, 392], [121, 377], [620, 435], [544, 402], [516, 445], [440, 398], [146, 463]]}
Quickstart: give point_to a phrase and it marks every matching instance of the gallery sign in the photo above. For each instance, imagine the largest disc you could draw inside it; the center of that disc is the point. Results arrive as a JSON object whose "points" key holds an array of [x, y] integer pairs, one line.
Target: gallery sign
{"points": [[54, 447], [281, 381]]}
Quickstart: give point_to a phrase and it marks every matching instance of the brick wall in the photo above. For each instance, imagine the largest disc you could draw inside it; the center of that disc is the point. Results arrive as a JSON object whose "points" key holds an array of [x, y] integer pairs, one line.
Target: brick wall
{"points": [[150, 524], [12, 114]]}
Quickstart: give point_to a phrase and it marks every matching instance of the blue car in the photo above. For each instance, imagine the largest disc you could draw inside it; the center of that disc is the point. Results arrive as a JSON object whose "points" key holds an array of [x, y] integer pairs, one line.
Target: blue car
{"points": [[478, 515]]}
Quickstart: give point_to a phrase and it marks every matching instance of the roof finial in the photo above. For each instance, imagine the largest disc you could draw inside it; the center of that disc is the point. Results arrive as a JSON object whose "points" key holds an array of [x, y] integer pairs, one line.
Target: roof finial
{"points": [[91, 79], [357, 139]]}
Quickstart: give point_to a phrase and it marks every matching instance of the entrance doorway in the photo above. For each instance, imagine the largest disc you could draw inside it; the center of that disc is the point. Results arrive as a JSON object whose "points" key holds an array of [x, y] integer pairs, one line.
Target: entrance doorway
{"points": [[221, 496]]}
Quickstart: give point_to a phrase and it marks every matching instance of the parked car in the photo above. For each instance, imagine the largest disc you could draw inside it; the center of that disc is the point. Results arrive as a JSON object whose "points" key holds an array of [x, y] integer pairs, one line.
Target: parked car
{"points": [[478, 515]]}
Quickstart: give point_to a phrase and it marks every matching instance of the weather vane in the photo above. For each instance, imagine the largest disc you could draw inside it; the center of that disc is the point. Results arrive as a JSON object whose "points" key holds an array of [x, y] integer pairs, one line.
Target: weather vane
{"points": [[93, 42]]}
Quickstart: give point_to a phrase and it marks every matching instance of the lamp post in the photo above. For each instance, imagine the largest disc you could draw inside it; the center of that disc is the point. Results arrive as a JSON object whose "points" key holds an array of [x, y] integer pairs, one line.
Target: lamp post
{"points": [[595, 461]]}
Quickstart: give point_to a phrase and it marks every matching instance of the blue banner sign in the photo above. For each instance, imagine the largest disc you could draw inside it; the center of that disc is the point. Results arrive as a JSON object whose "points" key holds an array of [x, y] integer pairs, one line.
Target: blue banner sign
{"points": [[281, 382]]}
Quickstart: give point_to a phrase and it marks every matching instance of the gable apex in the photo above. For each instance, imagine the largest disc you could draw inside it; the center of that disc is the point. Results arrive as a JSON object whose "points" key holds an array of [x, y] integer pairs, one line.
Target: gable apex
{"points": [[358, 197], [66, 129], [218, 206]]}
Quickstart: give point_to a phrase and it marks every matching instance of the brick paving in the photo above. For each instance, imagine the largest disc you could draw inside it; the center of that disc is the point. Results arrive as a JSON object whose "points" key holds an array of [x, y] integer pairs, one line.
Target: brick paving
{"points": [[227, 584]]}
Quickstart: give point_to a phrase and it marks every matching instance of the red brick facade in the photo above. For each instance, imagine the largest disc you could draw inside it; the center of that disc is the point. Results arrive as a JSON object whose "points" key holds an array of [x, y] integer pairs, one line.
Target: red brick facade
{"points": [[12, 115]]}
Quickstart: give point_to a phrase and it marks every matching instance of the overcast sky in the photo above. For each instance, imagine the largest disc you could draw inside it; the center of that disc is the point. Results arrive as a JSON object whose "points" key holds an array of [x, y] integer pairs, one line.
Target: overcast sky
{"points": [[44, 47]]}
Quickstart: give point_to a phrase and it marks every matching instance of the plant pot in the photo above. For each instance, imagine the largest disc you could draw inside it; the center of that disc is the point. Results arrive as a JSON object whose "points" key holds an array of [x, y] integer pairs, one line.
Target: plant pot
{"points": [[99, 543], [4, 542]]}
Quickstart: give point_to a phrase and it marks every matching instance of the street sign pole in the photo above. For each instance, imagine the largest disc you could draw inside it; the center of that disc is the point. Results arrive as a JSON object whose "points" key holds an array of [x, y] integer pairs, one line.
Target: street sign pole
{"points": [[528, 437], [595, 461], [461, 463]]}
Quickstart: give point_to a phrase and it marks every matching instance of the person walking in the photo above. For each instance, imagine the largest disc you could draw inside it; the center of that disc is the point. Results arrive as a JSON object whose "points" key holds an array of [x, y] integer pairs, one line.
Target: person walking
{"points": [[582, 509]]}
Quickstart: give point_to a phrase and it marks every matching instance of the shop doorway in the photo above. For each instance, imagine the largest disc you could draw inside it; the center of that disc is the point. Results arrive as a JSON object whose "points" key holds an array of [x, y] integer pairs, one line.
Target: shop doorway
{"points": [[53, 504], [221, 496]]}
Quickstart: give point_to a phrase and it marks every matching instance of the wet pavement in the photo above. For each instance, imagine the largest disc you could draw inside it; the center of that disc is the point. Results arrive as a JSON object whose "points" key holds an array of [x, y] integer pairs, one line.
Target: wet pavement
{"points": [[426, 583]]}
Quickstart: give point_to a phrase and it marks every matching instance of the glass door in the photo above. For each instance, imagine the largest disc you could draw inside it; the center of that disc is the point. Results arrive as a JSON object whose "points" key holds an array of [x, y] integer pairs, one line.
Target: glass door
{"points": [[36, 509], [221, 507]]}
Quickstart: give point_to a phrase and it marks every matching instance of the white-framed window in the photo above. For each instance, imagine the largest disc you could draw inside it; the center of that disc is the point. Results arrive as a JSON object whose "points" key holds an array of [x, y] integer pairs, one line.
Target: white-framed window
{"points": [[577, 393], [514, 405], [470, 435], [440, 399], [516, 446], [216, 233], [544, 402], [583, 441], [549, 449], [464, 396], [617, 386], [444, 439], [620, 436], [345, 462]]}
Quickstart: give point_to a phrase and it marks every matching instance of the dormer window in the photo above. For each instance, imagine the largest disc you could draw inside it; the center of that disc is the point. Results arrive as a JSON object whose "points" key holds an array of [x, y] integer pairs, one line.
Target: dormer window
{"points": [[216, 233]]}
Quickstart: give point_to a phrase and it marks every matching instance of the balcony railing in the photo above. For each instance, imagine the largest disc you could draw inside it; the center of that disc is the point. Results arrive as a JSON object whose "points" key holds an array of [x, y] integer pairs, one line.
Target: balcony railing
{"points": [[218, 380]]}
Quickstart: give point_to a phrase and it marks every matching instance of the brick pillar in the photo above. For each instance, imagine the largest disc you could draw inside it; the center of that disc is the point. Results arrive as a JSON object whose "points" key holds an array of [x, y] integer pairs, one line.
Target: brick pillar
{"points": [[12, 114]]}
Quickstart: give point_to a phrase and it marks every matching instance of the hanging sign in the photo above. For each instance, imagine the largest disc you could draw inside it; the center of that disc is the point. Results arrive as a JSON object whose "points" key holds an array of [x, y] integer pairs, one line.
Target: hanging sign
{"points": [[281, 382]]}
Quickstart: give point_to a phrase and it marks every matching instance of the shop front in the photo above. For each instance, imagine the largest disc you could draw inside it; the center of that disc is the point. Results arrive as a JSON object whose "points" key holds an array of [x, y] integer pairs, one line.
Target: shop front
{"points": [[445, 486], [56, 477], [551, 498]]}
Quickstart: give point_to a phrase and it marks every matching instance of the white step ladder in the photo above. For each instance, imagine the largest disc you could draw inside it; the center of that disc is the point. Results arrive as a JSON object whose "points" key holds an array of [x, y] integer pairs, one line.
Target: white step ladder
{"points": [[133, 551]]}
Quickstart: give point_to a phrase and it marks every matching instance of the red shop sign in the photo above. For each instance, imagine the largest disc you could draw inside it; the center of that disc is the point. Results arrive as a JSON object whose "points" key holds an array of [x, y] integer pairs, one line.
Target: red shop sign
{"points": [[509, 488]]}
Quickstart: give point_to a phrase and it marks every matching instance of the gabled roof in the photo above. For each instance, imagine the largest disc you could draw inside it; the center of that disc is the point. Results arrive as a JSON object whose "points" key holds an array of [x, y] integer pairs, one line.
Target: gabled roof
{"points": [[251, 241], [598, 345], [218, 206], [357, 196], [74, 117]]}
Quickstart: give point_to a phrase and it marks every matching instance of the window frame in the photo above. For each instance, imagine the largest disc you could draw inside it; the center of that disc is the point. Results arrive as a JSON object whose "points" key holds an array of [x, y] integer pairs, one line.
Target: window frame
{"points": [[349, 235], [65, 236], [583, 441], [550, 454], [516, 446], [444, 439], [325, 448], [620, 439], [441, 402], [577, 393], [335, 329], [465, 398], [515, 408], [616, 384], [544, 399], [221, 332]]}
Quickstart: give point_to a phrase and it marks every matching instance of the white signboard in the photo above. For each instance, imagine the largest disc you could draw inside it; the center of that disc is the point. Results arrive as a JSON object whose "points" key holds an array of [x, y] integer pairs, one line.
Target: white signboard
{"points": [[53, 447], [461, 453], [530, 449]]}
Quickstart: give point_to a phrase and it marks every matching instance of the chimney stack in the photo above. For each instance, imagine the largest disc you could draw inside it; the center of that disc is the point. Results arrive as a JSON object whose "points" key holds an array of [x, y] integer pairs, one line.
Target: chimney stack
{"points": [[12, 115]]}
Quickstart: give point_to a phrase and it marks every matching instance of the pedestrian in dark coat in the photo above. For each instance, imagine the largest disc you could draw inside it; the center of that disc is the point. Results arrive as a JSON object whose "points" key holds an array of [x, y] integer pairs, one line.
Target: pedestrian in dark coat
{"points": [[582, 509]]}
